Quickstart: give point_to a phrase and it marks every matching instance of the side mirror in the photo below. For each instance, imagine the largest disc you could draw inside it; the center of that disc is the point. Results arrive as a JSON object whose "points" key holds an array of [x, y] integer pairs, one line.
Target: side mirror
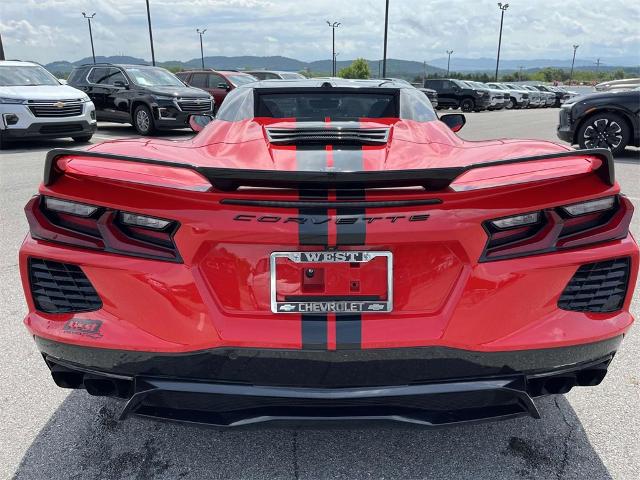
{"points": [[119, 84], [198, 122], [455, 121], [224, 86]]}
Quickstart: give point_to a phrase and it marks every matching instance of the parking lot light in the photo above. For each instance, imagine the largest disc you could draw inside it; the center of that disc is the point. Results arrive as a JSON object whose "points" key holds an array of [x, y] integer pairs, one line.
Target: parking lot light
{"points": [[573, 61], [333, 26], [89, 17], [386, 27], [449, 52], [201, 33], [502, 8], [153, 54]]}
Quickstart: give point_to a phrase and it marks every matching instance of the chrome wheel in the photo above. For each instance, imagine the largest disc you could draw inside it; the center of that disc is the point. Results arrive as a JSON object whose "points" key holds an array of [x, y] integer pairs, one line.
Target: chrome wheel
{"points": [[603, 133], [142, 120]]}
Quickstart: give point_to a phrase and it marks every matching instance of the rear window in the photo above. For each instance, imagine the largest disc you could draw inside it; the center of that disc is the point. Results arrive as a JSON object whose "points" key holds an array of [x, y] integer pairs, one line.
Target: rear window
{"points": [[334, 105]]}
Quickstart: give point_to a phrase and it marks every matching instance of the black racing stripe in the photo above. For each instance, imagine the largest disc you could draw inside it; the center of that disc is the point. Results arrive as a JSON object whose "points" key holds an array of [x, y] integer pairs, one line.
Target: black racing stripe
{"points": [[348, 331], [316, 232], [351, 230]]}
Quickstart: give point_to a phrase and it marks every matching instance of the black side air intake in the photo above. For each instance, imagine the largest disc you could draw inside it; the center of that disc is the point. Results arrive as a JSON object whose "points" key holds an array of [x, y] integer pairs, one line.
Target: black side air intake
{"points": [[61, 288], [597, 287]]}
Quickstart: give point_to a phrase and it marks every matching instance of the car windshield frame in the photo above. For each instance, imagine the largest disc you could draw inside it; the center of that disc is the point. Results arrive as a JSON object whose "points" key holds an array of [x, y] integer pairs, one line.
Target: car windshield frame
{"points": [[130, 73], [24, 70]]}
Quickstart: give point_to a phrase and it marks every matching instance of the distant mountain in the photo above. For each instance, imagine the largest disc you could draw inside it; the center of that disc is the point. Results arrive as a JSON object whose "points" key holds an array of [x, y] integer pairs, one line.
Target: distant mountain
{"points": [[401, 68], [461, 64]]}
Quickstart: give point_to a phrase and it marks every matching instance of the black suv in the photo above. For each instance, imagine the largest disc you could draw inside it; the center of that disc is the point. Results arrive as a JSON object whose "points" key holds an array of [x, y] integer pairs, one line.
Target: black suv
{"points": [[456, 94], [149, 98], [605, 120]]}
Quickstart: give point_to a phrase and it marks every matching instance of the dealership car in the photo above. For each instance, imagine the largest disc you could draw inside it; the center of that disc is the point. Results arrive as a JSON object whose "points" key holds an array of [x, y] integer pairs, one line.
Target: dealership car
{"points": [[149, 98], [538, 99], [328, 250], [624, 84], [602, 120], [216, 82], [432, 95], [34, 104], [499, 98], [559, 96], [516, 98], [454, 93], [275, 75]]}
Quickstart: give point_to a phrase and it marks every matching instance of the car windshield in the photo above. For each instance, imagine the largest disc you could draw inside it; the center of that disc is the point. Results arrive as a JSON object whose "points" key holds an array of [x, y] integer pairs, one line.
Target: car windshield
{"points": [[319, 106], [25, 76], [292, 76], [153, 77], [238, 80]]}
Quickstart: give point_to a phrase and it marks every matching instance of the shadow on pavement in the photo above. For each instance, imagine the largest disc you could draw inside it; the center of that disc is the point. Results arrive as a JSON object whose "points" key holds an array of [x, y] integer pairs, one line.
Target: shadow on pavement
{"points": [[83, 440]]}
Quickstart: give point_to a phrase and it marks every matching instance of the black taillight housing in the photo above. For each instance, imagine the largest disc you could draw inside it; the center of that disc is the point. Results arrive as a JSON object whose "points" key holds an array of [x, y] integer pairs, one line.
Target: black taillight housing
{"points": [[101, 228], [558, 228]]}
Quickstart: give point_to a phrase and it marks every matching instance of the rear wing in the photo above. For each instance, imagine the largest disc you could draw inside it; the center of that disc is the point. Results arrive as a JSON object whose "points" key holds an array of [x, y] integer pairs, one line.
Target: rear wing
{"points": [[229, 179]]}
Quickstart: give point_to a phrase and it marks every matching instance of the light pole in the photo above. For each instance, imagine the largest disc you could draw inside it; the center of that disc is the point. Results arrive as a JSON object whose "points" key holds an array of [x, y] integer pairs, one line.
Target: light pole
{"points": [[1, 49], [573, 61], [89, 17], [386, 27], [449, 52], [502, 8], [333, 26], [201, 33], [520, 73], [153, 54]]}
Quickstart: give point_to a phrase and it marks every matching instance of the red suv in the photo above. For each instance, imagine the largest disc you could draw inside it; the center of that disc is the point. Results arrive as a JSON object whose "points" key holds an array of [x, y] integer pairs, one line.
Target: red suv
{"points": [[217, 82]]}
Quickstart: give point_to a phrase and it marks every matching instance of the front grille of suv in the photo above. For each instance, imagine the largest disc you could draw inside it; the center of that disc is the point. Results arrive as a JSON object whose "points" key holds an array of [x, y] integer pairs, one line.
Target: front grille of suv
{"points": [[194, 105], [597, 287], [61, 287], [56, 108]]}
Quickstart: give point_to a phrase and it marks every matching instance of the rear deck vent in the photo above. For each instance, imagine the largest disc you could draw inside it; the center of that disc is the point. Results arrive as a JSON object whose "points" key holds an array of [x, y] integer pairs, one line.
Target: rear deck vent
{"points": [[61, 288], [597, 287], [328, 136]]}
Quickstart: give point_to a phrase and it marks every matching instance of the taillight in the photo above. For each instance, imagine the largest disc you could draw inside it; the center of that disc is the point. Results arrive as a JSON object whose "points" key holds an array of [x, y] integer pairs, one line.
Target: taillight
{"points": [[100, 228], [558, 228]]}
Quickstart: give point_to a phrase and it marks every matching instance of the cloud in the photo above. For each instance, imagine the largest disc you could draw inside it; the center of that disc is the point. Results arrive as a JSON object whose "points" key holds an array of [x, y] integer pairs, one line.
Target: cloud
{"points": [[47, 30]]}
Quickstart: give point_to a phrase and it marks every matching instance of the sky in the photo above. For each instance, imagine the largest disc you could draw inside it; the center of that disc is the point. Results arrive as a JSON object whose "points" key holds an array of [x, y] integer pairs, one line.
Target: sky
{"points": [[48, 30]]}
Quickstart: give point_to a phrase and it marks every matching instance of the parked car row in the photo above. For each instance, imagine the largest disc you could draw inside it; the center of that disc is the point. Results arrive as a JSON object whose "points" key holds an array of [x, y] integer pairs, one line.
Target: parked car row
{"points": [[33, 103], [477, 96]]}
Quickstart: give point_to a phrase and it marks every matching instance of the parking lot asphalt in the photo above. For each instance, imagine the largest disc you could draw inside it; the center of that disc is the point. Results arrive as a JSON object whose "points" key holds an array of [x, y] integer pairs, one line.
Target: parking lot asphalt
{"points": [[48, 432]]}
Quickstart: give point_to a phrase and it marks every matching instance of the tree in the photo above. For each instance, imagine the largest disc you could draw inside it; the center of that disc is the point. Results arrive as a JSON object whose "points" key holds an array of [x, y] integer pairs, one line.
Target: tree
{"points": [[359, 68]]}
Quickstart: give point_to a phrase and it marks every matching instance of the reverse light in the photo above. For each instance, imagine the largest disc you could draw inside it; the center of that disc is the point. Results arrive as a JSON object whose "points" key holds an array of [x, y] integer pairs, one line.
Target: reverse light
{"points": [[143, 221], [72, 208], [517, 220], [589, 207]]}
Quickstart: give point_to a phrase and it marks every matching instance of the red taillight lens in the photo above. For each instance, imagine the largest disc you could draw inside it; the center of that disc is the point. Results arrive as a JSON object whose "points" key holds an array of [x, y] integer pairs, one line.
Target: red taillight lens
{"points": [[558, 228], [101, 228]]}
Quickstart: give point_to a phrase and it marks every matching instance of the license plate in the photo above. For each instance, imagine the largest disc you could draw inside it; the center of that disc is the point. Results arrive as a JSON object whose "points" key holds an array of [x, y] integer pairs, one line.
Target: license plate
{"points": [[341, 282]]}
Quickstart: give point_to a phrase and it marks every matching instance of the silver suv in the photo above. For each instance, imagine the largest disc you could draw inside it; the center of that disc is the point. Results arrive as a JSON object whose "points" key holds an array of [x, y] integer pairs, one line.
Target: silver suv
{"points": [[34, 104]]}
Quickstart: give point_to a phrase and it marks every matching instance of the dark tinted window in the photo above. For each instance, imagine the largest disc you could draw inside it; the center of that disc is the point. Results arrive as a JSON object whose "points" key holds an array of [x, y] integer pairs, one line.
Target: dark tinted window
{"points": [[334, 105], [435, 84], [216, 81], [199, 80], [98, 74], [265, 75]]}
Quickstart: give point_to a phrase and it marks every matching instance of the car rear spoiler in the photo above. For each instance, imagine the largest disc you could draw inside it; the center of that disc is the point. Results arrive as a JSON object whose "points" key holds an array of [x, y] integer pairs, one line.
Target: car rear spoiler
{"points": [[228, 179]]}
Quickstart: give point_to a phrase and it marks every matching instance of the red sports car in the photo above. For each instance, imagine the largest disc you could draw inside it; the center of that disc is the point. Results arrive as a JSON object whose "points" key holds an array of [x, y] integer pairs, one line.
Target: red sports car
{"points": [[328, 250]]}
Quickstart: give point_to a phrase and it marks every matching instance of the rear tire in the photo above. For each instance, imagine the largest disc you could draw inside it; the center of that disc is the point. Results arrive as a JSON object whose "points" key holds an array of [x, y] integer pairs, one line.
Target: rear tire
{"points": [[512, 104], [83, 139], [143, 120], [604, 130], [467, 105]]}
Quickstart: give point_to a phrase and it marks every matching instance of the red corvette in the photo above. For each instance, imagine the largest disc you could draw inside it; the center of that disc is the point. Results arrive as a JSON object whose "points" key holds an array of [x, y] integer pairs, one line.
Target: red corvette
{"points": [[328, 250]]}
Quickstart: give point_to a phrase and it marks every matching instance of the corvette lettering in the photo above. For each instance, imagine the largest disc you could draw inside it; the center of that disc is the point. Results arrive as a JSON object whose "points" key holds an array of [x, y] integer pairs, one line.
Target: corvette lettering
{"points": [[338, 220]]}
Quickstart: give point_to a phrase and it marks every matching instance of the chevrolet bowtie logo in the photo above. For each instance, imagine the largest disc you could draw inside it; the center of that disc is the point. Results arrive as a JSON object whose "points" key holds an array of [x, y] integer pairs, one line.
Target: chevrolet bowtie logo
{"points": [[59, 104], [287, 307]]}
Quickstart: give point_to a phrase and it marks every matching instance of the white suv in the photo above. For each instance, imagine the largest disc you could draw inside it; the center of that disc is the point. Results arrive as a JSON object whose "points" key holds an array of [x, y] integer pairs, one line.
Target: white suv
{"points": [[33, 104]]}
